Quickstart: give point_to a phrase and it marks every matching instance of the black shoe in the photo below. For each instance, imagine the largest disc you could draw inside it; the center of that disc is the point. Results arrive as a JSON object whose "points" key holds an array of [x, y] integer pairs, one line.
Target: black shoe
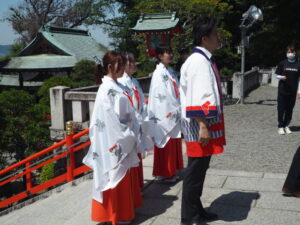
{"points": [[193, 222], [208, 216]]}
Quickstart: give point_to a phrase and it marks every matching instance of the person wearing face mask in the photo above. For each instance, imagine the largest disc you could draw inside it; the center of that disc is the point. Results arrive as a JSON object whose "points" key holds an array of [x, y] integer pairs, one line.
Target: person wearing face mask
{"points": [[288, 73]]}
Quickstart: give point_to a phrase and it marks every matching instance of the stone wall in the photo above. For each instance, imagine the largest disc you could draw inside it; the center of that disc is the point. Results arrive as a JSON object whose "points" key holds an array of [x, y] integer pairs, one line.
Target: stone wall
{"points": [[252, 80]]}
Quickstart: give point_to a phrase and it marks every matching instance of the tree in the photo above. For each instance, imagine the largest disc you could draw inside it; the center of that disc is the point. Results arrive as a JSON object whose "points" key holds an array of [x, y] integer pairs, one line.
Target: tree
{"points": [[14, 50], [26, 129], [84, 73], [187, 11], [43, 92], [30, 15], [271, 37]]}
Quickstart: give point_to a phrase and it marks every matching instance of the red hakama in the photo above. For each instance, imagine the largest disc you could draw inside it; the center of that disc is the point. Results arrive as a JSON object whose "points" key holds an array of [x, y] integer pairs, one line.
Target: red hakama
{"points": [[141, 172], [118, 203], [136, 188], [168, 160]]}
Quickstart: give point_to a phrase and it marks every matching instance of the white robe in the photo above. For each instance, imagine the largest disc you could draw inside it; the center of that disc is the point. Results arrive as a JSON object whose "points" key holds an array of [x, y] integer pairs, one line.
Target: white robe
{"points": [[133, 88], [200, 96], [113, 135], [199, 92], [164, 106]]}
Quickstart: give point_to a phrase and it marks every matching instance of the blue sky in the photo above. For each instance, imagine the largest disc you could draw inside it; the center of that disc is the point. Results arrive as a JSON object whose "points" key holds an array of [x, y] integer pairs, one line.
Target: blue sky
{"points": [[8, 36]]}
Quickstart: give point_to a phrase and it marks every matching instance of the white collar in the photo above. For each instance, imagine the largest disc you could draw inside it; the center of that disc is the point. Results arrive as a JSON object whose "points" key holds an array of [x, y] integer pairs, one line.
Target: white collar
{"points": [[125, 75], [206, 52], [161, 65], [108, 79]]}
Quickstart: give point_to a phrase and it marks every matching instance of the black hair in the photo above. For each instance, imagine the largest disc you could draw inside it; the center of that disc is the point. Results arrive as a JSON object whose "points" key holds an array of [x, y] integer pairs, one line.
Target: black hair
{"points": [[203, 27], [291, 47], [129, 57], [160, 50]]}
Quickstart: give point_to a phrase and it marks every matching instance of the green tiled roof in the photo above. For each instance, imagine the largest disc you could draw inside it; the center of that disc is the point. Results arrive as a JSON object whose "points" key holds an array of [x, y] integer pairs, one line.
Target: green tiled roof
{"points": [[156, 22], [73, 45], [74, 42], [42, 61]]}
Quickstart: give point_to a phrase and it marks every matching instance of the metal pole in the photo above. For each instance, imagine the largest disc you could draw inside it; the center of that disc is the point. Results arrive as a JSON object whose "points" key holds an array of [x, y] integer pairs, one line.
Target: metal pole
{"points": [[242, 63]]}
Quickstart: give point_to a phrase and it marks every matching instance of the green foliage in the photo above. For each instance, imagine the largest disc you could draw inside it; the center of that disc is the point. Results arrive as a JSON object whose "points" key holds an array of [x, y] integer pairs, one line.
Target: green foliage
{"points": [[267, 46], [84, 73], [43, 92], [26, 129], [226, 72], [47, 172], [186, 11]]}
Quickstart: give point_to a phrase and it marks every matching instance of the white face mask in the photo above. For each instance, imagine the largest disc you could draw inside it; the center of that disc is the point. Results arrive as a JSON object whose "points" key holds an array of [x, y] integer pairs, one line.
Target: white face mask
{"points": [[291, 56]]}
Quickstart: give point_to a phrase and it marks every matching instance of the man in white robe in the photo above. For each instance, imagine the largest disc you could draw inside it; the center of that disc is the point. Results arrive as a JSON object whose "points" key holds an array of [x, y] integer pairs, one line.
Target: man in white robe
{"points": [[202, 118]]}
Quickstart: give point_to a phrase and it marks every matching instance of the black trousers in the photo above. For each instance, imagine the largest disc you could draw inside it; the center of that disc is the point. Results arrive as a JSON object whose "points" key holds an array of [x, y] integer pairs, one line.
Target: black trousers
{"points": [[292, 181], [193, 181], [285, 106]]}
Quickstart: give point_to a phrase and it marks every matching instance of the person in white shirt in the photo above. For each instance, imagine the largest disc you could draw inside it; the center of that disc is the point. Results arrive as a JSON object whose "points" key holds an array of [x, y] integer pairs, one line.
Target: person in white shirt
{"points": [[165, 113], [202, 118], [113, 133]]}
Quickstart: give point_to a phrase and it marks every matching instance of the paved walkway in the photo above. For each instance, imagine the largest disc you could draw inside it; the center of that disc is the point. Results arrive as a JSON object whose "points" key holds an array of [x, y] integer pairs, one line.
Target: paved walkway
{"points": [[243, 184], [252, 140]]}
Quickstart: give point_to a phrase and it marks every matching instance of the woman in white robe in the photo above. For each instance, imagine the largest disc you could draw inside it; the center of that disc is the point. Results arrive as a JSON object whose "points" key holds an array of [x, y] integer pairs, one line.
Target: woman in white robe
{"points": [[133, 88], [113, 135], [164, 112]]}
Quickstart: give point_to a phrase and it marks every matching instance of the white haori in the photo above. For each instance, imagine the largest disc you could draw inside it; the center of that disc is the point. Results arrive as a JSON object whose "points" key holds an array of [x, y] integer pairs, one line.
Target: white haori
{"points": [[113, 135], [164, 106], [199, 92], [133, 88]]}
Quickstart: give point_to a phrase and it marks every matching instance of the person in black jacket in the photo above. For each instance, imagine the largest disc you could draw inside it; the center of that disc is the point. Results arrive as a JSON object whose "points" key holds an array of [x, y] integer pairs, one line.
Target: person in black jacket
{"points": [[291, 185], [288, 73]]}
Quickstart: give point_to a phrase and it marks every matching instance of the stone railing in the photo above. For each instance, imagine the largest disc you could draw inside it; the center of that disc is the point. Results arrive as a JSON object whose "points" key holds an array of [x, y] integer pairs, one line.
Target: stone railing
{"points": [[252, 80], [76, 105], [70, 104], [266, 75]]}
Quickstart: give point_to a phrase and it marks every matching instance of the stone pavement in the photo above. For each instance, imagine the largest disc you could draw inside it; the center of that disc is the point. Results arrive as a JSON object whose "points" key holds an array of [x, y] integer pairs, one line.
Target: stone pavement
{"points": [[252, 140], [243, 184]]}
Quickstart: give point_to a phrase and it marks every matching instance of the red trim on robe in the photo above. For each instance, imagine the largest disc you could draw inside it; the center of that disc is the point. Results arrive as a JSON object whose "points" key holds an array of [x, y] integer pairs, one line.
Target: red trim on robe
{"points": [[176, 90], [206, 107], [129, 97], [214, 147], [137, 96]]}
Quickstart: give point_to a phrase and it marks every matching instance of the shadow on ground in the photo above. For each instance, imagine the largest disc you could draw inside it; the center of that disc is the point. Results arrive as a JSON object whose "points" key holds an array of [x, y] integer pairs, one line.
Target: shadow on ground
{"points": [[269, 102], [158, 199], [295, 128], [234, 206]]}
